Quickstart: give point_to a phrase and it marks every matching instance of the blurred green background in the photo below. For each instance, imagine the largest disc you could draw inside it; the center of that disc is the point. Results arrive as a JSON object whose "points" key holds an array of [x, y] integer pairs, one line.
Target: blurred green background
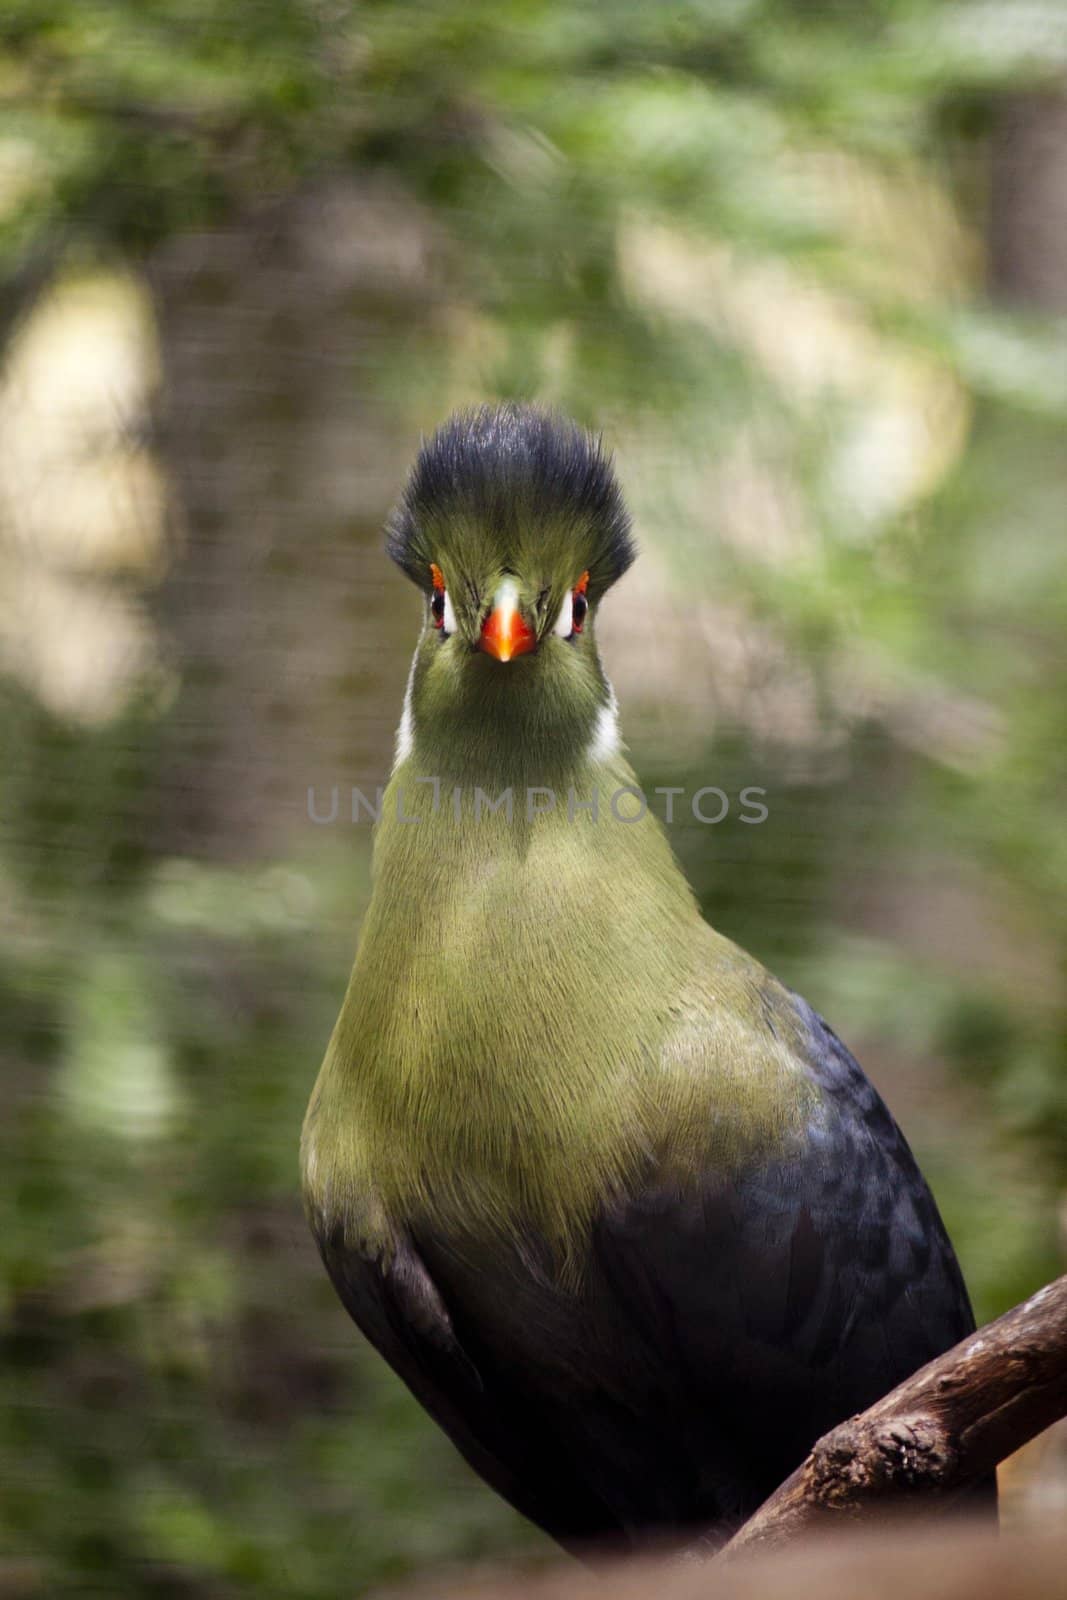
{"points": [[806, 266]]}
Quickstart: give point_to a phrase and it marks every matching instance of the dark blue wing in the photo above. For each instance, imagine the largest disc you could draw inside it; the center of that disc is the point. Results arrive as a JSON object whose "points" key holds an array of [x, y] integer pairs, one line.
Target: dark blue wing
{"points": [[795, 1294]]}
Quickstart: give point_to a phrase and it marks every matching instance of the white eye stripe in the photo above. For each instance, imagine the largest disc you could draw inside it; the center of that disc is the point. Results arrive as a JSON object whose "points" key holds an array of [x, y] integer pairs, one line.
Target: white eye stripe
{"points": [[448, 621], [564, 624]]}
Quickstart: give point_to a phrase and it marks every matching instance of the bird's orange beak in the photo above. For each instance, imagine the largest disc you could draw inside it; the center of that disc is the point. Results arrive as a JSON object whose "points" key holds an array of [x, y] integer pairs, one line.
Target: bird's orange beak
{"points": [[505, 631]]}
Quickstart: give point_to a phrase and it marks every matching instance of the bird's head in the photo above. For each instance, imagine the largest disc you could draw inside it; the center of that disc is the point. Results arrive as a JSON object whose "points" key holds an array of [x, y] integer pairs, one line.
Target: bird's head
{"points": [[513, 526]]}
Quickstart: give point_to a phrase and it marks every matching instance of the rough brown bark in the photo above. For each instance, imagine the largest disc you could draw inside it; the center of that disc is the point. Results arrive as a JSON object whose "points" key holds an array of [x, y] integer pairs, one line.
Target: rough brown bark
{"points": [[936, 1434]]}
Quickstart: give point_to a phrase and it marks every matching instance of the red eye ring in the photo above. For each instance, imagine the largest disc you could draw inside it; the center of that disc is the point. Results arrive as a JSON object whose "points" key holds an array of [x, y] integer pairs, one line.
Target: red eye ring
{"points": [[437, 599], [579, 603]]}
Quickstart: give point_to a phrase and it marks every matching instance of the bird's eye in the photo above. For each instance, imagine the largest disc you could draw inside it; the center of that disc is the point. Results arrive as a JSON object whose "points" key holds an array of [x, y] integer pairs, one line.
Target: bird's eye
{"points": [[440, 604], [572, 612]]}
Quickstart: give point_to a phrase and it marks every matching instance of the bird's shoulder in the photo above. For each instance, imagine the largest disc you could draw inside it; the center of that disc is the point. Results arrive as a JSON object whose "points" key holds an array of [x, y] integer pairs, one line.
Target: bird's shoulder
{"points": [[824, 1253]]}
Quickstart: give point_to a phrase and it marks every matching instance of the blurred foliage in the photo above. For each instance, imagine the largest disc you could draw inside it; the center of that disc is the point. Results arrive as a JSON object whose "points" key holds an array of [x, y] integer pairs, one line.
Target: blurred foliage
{"points": [[634, 210]]}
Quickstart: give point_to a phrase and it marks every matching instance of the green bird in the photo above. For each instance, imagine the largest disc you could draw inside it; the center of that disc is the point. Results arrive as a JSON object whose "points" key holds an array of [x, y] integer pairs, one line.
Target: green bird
{"points": [[620, 1208]]}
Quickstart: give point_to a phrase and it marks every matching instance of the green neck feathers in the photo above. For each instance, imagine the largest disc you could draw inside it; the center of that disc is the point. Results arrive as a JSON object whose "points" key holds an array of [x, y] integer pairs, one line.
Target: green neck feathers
{"points": [[537, 1012]]}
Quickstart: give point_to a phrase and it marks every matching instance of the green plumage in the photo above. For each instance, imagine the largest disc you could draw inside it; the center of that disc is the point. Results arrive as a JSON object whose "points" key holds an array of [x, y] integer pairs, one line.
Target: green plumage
{"points": [[618, 1207], [528, 1022], [537, 1011]]}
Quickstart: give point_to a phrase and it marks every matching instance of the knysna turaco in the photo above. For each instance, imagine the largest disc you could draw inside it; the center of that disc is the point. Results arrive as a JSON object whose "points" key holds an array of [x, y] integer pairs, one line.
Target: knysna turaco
{"points": [[619, 1208]]}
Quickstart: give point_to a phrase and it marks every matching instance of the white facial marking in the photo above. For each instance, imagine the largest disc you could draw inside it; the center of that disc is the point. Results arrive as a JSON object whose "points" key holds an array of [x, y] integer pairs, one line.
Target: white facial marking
{"points": [[405, 734], [564, 624], [606, 740], [448, 623]]}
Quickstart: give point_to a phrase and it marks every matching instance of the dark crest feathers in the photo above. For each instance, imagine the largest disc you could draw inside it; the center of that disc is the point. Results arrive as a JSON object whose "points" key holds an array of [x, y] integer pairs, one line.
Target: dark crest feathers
{"points": [[514, 473]]}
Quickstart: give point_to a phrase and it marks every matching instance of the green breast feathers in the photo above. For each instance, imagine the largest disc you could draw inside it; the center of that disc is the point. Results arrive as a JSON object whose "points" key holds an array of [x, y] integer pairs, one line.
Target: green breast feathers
{"points": [[537, 1014]]}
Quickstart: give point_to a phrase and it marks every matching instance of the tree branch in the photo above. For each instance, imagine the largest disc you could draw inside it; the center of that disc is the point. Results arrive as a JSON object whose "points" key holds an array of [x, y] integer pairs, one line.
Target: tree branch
{"points": [[936, 1434]]}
